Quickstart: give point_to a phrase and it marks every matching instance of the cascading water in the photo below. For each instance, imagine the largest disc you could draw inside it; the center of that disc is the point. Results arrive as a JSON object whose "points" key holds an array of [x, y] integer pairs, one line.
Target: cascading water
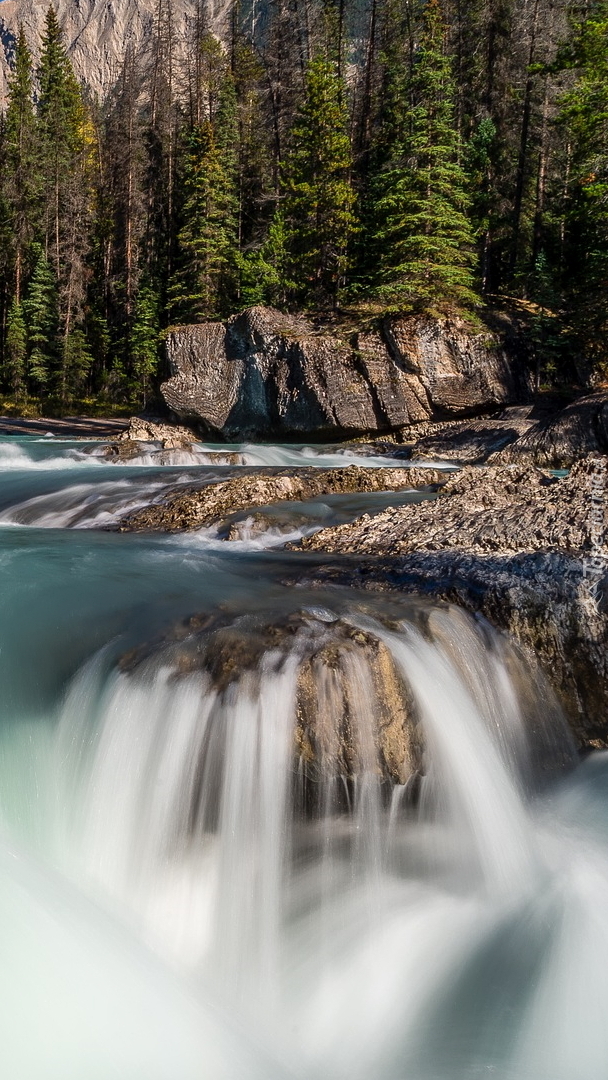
{"points": [[254, 832]]}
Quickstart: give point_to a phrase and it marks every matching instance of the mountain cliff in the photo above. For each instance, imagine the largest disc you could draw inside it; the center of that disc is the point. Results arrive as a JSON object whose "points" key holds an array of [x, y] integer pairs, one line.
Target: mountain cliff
{"points": [[96, 32]]}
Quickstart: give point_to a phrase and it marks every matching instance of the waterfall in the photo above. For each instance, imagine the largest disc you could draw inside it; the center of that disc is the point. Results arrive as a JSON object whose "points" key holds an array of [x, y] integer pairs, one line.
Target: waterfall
{"points": [[324, 892], [258, 832]]}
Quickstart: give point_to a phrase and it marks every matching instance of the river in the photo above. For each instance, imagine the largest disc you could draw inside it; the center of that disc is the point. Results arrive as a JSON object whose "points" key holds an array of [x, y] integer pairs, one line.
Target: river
{"points": [[172, 904]]}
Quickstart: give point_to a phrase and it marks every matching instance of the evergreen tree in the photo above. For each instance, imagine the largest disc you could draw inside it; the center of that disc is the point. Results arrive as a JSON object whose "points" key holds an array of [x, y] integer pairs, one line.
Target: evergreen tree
{"points": [[61, 130], [41, 316], [318, 203], [67, 152], [15, 349], [76, 361], [144, 341], [421, 236], [265, 271], [584, 115], [205, 283], [20, 172], [481, 155]]}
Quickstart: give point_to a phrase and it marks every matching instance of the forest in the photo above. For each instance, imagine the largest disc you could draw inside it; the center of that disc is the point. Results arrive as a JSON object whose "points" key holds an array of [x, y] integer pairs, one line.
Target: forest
{"points": [[409, 155]]}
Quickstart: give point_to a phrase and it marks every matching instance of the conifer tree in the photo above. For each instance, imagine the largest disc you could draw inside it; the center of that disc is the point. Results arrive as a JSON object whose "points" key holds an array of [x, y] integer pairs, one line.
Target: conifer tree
{"points": [[144, 341], [584, 115], [265, 271], [21, 175], [76, 360], [318, 203], [41, 315], [421, 236], [207, 261], [61, 123], [67, 149], [15, 349]]}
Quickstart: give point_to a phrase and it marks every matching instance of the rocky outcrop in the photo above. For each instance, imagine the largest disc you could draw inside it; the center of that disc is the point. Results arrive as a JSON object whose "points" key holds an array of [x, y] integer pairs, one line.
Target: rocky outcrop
{"points": [[523, 549], [353, 711], [169, 436], [579, 429], [265, 374], [473, 441], [503, 510], [196, 507]]}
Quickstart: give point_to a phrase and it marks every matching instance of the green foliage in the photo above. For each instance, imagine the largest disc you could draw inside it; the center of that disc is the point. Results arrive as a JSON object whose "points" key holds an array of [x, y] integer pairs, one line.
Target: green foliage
{"points": [[20, 174], [76, 361], [318, 196], [144, 341], [264, 273], [205, 282], [207, 241], [421, 235], [584, 115], [61, 113], [41, 316], [15, 349]]}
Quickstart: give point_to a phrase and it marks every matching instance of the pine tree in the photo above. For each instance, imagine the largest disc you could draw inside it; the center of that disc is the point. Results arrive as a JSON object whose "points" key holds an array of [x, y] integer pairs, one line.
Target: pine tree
{"points": [[584, 115], [61, 123], [205, 283], [76, 361], [265, 270], [20, 173], [421, 238], [40, 309], [318, 195], [68, 150], [15, 349], [144, 341]]}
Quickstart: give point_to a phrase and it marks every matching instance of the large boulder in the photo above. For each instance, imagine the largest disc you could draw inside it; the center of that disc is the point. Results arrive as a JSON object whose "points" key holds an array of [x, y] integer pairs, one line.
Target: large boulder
{"points": [[265, 374], [353, 712]]}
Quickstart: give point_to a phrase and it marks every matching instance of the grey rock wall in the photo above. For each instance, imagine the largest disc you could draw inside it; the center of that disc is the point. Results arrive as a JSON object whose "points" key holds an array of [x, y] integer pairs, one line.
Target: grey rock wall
{"points": [[266, 374]]}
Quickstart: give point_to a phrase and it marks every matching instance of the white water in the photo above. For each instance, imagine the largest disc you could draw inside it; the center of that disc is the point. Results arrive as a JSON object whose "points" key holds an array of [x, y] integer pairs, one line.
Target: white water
{"points": [[339, 940], [167, 910], [51, 453]]}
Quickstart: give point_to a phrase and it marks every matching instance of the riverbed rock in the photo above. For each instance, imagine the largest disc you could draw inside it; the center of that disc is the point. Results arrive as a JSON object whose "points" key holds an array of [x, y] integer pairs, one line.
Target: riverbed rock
{"points": [[524, 549], [353, 712], [193, 507], [265, 374], [577, 430], [472, 441], [170, 436]]}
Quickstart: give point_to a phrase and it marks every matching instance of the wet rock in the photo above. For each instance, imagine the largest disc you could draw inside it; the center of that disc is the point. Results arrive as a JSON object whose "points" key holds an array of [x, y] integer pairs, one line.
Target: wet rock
{"points": [[168, 436], [124, 450], [524, 549], [195, 508], [349, 679], [266, 374], [353, 711], [503, 509]]}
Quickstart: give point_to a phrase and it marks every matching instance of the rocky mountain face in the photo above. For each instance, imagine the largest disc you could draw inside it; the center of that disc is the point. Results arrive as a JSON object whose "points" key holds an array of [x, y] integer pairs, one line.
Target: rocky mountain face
{"points": [[265, 374], [96, 32]]}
